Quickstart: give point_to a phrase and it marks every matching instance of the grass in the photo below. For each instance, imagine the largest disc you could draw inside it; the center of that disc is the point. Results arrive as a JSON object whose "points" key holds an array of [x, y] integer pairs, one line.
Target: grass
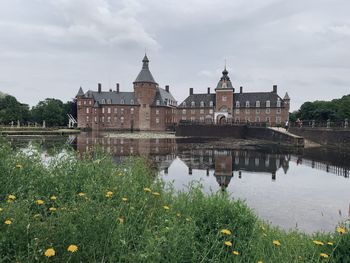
{"points": [[123, 213]]}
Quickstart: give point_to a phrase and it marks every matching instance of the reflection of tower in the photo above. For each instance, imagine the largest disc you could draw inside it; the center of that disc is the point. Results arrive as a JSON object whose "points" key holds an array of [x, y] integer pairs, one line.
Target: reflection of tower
{"points": [[223, 170]]}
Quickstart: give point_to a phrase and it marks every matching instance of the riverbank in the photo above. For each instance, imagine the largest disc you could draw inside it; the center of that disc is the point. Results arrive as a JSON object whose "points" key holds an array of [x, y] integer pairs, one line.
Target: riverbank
{"points": [[91, 209], [36, 131]]}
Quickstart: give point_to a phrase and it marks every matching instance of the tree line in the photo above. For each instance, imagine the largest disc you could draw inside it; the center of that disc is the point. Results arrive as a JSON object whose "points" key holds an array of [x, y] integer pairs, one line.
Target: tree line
{"points": [[334, 110], [52, 111]]}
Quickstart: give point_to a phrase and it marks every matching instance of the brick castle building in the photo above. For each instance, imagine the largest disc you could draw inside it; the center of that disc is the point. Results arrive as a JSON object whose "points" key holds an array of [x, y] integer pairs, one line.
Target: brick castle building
{"points": [[150, 107]]}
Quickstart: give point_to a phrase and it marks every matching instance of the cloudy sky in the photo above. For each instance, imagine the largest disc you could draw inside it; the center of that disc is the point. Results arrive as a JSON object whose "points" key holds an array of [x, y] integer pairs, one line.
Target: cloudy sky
{"points": [[48, 48]]}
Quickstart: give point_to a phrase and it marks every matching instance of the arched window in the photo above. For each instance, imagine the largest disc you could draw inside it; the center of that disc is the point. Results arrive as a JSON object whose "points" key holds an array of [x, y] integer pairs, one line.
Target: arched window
{"points": [[237, 104], [103, 101], [122, 101], [109, 101], [278, 102], [193, 103], [247, 104]]}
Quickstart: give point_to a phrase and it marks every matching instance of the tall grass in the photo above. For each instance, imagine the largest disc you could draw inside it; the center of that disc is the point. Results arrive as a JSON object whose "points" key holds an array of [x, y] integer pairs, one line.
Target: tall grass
{"points": [[123, 213]]}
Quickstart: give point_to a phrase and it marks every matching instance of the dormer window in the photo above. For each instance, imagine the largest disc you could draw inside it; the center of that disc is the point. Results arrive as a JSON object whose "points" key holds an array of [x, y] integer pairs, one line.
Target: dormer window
{"points": [[211, 103], [122, 101], [184, 104], [193, 103], [109, 101], [258, 104], [131, 101], [237, 104], [202, 104], [247, 104], [278, 102], [268, 104], [103, 101], [157, 102]]}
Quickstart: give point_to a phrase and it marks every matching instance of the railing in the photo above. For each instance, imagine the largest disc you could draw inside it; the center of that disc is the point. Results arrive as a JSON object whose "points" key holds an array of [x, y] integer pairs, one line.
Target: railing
{"points": [[321, 124], [226, 122]]}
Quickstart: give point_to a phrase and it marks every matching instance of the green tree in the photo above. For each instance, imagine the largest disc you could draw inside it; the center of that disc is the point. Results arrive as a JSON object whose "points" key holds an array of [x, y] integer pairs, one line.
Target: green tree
{"points": [[52, 111], [12, 110]]}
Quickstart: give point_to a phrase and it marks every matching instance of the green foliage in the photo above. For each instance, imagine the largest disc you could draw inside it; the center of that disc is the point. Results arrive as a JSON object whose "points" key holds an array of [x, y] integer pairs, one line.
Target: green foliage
{"points": [[51, 111], [335, 110], [140, 228], [12, 110]]}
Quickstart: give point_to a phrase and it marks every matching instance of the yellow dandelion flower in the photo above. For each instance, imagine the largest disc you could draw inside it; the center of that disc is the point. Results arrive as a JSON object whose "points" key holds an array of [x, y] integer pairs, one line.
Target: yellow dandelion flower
{"points": [[178, 215], [53, 198], [228, 243], [225, 232], [39, 202], [125, 199], [166, 207], [330, 243], [341, 230], [11, 197], [156, 194], [52, 209], [72, 248], [50, 252], [8, 222], [81, 194], [146, 189], [324, 255], [318, 242], [276, 243], [120, 174], [121, 220], [109, 194], [236, 253], [19, 166], [260, 261]]}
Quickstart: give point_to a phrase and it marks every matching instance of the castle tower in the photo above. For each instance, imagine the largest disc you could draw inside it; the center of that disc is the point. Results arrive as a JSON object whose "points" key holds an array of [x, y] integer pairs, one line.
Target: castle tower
{"points": [[224, 98], [145, 89]]}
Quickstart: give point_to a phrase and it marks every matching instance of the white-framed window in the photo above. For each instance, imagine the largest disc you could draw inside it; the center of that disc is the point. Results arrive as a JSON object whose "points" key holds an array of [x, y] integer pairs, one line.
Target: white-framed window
{"points": [[247, 111], [157, 112], [115, 110], [257, 119], [278, 102], [211, 103], [183, 118], [257, 111], [157, 120], [90, 102], [109, 119], [184, 111], [103, 110], [84, 102], [224, 98], [193, 104], [211, 111], [87, 119], [132, 111], [237, 111], [237, 104], [109, 101], [202, 103], [193, 111], [193, 118], [268, 104], [278, 111], [121, 120], [278, 120], [184, 104], [132, 101], [79, 102], [87, 110], [157, 102], [201, 118], [103, 118], [122, 101], [103, 101], [201, 111], [108, 110], [247, 104], [268, 111], [122, 111], [257, 104], [95, 119]]}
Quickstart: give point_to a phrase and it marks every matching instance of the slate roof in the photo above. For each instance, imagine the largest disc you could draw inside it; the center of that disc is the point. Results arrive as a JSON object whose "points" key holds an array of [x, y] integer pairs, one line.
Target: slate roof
{"points": [[165, 98], [224, 82], [197, 98], [111, 97], [286, 97], [80, 92], [253, 97], [145, 74]]}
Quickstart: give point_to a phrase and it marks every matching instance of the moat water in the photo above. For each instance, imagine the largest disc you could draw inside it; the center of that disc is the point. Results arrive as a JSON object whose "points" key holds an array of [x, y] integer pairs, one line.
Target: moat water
{"points": [[307, 189]]}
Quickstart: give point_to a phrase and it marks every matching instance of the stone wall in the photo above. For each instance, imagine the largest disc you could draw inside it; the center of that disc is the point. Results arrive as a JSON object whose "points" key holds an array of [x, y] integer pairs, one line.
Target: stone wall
{"points": [[330, 137]]}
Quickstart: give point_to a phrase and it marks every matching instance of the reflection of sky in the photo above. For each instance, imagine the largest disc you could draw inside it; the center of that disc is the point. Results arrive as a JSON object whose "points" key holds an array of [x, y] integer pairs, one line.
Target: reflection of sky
{"points": [[304, 197]]}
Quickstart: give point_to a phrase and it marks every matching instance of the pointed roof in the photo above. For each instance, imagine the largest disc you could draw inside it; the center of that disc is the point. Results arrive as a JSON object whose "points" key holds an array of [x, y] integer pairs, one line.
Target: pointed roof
{"points": [[286, 97], [80, 92], [224, 82], [145, 74]]}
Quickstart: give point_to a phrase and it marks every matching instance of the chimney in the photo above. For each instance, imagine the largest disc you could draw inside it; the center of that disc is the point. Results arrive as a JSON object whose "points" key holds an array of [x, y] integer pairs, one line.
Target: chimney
{"points": [[167, 88], [99, 87], [240, 89], [274, 89], [110, 90], [191, 91], [117, 87], [208, 90]]}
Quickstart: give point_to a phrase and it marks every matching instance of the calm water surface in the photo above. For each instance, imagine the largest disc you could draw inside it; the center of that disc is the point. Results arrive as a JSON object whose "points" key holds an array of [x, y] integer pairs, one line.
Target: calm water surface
{"points": [[308, 189]]}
